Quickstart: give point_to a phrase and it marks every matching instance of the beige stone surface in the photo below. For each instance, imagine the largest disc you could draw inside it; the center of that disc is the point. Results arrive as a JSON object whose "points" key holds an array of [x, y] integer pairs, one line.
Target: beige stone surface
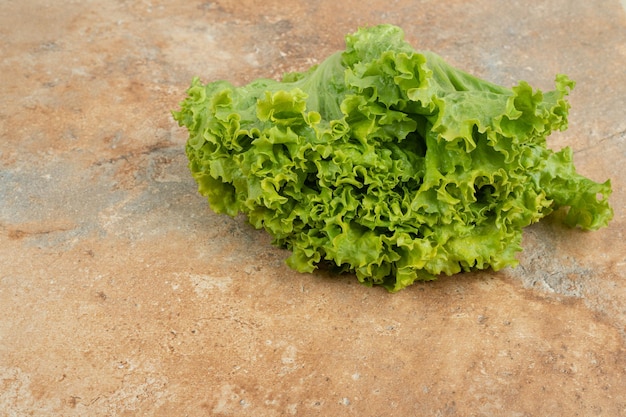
{"points": [[122, 294]]}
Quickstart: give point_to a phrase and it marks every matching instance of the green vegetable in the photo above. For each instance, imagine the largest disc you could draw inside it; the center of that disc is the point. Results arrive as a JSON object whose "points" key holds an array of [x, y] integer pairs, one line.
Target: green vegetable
{"points": [[388, 162]]}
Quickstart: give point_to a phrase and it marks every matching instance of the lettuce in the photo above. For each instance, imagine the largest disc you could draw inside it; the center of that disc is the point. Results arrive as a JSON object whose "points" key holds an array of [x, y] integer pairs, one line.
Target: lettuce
{"points": [[387, 162]]}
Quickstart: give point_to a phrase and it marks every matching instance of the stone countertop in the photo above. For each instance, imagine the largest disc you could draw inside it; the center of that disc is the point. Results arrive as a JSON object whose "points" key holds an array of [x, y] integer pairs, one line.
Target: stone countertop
{"points": [[123, 294]]}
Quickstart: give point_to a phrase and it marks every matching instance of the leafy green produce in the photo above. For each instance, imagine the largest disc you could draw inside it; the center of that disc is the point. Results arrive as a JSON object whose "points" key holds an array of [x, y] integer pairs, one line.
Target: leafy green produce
{"points": [[388, 162]]}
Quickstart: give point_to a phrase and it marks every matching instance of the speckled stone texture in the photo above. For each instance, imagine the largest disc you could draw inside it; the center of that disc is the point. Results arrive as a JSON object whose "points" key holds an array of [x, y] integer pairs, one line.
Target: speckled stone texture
{"points": [[122, 294]]}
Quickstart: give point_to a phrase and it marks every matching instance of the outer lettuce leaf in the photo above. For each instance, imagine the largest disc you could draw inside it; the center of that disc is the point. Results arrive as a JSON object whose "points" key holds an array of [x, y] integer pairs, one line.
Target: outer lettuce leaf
{"points": [[388, 162]]}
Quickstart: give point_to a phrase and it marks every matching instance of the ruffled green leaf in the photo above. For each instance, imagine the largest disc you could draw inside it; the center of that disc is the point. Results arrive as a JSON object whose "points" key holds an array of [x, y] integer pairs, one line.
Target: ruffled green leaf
{"points": [[388, 162]]}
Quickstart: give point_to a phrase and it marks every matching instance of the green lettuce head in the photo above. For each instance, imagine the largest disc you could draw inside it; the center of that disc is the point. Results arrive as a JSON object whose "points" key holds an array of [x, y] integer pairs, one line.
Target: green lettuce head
{"points": [[387, 162]]}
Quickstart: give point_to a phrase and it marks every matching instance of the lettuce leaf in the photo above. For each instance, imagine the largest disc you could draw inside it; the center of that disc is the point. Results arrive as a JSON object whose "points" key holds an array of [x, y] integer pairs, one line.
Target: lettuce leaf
{"points": [[388, 162]]}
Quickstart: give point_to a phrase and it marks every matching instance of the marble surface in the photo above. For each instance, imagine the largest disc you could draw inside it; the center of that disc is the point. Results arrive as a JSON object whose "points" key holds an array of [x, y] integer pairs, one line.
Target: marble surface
{"points": [[123, 294]]}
